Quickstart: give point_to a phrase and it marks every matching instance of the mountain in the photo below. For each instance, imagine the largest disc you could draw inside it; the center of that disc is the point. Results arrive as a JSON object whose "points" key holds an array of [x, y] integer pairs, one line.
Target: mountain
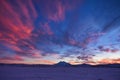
{"points": [[62, 63]]}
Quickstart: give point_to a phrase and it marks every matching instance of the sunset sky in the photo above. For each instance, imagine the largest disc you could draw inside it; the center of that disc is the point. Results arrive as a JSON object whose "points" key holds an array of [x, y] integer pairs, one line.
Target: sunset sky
{"points": [[49, 31]]}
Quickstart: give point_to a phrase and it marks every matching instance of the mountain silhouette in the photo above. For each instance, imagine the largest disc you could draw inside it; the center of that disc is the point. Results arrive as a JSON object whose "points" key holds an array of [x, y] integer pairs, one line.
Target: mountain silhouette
{"points": [[62, 63]]}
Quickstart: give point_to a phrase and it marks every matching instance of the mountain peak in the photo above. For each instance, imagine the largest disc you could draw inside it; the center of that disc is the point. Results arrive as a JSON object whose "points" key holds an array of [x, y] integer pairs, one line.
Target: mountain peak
{"points": [[62, 63]]}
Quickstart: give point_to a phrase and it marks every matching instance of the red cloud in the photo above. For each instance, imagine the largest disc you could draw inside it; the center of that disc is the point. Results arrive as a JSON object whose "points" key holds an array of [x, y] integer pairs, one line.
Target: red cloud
{"points": [[14, 27], [13, 24], [17, 26]]}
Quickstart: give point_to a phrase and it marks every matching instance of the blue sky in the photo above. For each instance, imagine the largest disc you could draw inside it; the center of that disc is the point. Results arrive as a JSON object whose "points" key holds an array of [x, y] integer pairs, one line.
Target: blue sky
{"points": [[48, 31]]}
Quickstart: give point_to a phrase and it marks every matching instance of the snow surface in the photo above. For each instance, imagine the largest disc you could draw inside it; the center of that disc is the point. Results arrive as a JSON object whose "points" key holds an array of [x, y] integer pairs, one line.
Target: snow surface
{"points": [[58, 73]]}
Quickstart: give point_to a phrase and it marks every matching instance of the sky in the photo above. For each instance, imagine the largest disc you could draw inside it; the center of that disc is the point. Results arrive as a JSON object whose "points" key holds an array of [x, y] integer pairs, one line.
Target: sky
{"points": [[49, 31]]}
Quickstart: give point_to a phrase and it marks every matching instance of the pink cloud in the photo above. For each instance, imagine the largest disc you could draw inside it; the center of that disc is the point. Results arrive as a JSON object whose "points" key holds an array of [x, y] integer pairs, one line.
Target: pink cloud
{"points": [[72, 42], [36, 55], [10, 58], [59, 14], [102, 48], [56, 10], [32, 7], [17, 33], [46, 28]]}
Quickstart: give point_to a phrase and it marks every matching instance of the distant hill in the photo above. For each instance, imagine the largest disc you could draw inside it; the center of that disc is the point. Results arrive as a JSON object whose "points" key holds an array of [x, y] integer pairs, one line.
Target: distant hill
{"points": [[82, 65], [108, 65], [26, 65]]}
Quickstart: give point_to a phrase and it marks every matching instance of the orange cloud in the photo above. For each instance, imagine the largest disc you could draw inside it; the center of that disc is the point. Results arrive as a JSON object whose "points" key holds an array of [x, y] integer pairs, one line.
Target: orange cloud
{"points": [[109, 61], [41, 61]]}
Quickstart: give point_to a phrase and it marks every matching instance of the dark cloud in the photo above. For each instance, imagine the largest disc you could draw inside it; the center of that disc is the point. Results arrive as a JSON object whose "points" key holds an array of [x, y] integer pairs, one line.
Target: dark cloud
{"points": [[104, 49], [85, 57]]}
